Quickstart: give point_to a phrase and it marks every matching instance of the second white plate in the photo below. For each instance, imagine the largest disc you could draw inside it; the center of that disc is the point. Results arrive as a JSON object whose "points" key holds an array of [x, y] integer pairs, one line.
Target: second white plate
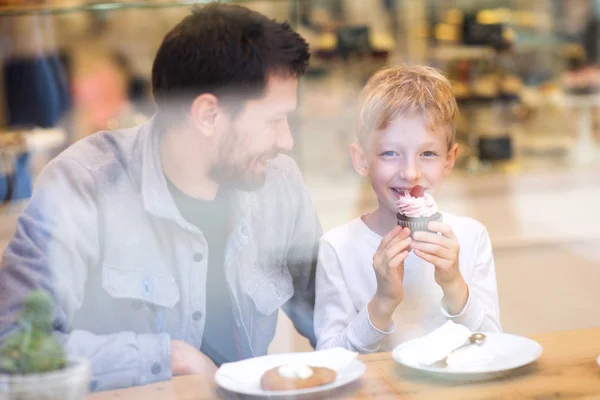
{"points": [[510, 352]]}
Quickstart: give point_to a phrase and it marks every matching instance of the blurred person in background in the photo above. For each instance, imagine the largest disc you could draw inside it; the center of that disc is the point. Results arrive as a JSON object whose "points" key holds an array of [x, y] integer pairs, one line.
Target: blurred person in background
{"points": [[102, 95], [580, 28], [169, 248], [580, 24], [35, 100]]}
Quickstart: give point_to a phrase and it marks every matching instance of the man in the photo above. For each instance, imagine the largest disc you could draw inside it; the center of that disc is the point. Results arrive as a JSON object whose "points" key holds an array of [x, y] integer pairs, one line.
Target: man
{"points": [[171, 246]]}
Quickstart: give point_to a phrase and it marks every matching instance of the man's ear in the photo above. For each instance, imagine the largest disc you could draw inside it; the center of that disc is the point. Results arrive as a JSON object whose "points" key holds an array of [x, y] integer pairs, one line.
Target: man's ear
{"points": [[359, 159], [203, 113]]}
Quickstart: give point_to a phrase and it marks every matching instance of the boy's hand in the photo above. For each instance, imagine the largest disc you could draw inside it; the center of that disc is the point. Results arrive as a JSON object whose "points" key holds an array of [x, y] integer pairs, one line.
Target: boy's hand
{"points": [[442, 251], [388, 263]]}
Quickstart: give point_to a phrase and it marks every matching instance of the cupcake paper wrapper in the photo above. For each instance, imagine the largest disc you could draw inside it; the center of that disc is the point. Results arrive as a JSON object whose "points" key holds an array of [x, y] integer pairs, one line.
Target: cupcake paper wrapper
{"points": [[417, 223]]}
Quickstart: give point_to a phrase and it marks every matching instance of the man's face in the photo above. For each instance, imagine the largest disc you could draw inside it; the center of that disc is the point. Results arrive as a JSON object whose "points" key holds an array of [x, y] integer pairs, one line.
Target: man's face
{"points": [[255, 135]]}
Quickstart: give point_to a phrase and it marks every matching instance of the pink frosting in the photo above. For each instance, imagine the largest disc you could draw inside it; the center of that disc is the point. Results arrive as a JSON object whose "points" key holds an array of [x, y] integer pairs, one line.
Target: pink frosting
{"points": [[416, 206]]}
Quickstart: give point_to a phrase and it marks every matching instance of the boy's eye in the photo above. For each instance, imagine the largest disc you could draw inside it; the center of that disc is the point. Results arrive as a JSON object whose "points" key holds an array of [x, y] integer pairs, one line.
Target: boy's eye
{"points": [[389, 153], [429, 154]]}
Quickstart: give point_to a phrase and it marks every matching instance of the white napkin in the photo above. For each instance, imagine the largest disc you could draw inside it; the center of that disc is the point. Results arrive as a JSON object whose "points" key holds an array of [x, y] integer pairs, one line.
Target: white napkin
{"points": [[251, 370], [439, 343]]}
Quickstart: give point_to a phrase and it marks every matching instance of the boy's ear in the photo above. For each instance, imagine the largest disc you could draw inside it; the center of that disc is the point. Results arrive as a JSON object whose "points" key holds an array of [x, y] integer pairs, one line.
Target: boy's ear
{"points": [[359, 160], [451, 158]]}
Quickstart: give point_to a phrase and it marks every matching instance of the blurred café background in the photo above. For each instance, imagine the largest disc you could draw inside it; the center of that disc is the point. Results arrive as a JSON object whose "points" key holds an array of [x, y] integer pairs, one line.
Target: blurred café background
{"points": [[526, 74]]}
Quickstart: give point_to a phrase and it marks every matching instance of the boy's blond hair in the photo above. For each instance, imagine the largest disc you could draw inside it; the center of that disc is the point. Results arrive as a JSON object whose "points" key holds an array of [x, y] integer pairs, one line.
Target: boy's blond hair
{"points": [[404, 91]]}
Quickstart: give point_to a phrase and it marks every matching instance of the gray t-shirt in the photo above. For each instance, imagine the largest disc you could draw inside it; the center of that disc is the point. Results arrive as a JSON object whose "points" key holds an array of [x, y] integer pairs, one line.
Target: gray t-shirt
{"points": [[221, 341]]}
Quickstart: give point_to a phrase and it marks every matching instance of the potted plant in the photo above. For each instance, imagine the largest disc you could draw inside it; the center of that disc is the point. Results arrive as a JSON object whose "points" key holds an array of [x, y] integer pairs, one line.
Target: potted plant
{"points": [[34, 364]]}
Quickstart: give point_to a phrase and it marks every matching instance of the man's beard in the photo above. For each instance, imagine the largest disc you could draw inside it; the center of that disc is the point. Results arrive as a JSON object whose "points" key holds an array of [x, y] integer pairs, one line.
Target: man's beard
{"points": [[237, 177], [242, 172]]}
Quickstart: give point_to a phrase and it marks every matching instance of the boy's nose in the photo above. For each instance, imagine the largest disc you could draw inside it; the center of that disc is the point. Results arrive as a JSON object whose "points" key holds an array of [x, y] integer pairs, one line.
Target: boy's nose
{"points": [[410, 173]]}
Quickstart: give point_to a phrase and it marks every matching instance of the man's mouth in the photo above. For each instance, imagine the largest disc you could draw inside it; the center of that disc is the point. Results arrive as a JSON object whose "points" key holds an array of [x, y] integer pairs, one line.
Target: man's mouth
{"points": [[271, 155], [265, 158]]}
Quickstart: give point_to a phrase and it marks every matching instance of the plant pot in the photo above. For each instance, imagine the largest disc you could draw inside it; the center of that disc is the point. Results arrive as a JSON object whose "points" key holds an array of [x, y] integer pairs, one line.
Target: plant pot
{"points": [[69, 383]]}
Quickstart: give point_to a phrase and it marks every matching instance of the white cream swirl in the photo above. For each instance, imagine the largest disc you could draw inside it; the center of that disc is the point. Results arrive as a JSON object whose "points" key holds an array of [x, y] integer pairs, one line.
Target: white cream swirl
{"points": [[416, 206], [297, 371]]}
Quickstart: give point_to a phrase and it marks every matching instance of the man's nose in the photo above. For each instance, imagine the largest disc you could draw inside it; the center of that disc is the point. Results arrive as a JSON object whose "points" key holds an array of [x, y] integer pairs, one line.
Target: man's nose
{"points": [[284, 139]]}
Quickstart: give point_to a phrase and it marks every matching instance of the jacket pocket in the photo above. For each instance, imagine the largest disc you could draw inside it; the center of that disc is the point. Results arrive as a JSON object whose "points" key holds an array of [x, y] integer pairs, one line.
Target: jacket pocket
{"points": [[152, 287], [272, 292]]}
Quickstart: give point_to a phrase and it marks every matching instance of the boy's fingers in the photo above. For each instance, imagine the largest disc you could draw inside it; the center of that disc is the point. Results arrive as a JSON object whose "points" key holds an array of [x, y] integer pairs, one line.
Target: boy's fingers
{"points": [[429, 237], [397, 240], [433, 249], [442, 228], [388, 238], [398, 259], [430, 258], [405, 232], [402, 234], [398, 247]]}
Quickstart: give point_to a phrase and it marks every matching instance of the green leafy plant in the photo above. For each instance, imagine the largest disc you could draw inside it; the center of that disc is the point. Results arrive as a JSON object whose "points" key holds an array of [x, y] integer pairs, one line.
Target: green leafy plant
{"points": [[32, 348]]}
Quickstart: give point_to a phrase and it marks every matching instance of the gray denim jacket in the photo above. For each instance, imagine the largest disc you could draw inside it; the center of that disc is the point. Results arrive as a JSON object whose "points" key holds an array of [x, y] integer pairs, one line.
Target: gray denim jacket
{"points": [[128, 272]]}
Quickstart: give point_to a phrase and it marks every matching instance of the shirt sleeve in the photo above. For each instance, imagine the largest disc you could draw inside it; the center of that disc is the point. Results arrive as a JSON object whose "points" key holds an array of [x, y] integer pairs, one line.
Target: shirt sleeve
{"points": [[55, 243], [337, 322], [481, 311]]}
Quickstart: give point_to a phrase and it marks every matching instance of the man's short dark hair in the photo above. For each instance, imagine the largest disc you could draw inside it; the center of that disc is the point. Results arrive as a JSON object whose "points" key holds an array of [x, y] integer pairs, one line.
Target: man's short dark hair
{"points": [[225, 50]]}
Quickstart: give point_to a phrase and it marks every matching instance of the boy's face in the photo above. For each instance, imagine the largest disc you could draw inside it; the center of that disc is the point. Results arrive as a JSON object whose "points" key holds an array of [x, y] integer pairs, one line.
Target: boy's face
{"points": [[405, 154]]}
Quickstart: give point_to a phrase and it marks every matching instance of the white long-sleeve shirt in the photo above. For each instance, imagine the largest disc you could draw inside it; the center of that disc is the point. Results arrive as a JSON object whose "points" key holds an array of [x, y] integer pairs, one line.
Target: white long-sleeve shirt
{"points": [[346, 282]]}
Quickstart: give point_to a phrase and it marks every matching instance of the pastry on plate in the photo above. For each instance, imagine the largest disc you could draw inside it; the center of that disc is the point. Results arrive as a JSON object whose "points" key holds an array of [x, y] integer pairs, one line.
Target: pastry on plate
{"points": [[296, 376]]}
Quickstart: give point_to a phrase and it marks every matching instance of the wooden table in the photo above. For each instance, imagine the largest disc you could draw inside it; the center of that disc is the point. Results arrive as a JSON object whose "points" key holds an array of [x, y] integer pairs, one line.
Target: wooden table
{"points": [[567, 369]]}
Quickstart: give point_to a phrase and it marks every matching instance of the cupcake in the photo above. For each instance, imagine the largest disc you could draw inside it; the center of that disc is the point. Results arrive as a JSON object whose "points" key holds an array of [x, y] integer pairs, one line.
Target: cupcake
{"points": [[416, 209]]}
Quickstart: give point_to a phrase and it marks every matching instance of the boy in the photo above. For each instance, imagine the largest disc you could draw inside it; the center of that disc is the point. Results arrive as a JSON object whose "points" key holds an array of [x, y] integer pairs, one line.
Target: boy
{"points": [[377, 285]]}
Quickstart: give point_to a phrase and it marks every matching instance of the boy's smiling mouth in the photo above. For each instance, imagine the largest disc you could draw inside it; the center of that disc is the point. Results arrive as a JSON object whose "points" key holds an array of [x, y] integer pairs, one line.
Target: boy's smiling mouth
{"points": [[415, 191], [400, 192]]}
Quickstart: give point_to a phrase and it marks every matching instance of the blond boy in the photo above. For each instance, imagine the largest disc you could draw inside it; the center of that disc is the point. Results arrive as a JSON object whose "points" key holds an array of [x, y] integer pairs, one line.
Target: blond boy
{"points": [[377, 286]]}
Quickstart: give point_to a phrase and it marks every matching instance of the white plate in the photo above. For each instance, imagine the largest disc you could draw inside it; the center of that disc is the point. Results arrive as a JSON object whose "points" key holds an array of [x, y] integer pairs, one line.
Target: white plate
{"points": [[510, 352], [350, 373], [598, 361]]}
